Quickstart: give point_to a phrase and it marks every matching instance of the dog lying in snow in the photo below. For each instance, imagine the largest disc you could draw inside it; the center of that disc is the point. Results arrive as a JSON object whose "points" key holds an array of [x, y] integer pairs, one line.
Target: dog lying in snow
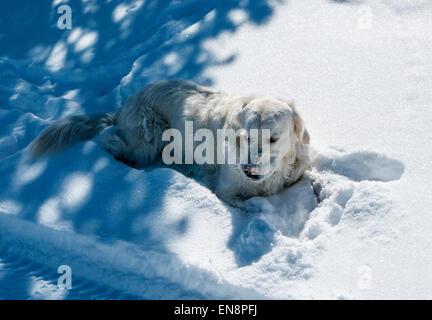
{"points": [[134, 134]]}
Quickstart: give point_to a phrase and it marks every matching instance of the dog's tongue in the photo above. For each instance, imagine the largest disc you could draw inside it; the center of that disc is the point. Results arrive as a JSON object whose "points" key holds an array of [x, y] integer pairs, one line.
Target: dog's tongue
{"points": [[251, 170]]}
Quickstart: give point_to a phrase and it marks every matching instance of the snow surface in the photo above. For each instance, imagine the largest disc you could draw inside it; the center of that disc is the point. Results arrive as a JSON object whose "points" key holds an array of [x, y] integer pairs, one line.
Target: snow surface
{"points": [[356, 226]]}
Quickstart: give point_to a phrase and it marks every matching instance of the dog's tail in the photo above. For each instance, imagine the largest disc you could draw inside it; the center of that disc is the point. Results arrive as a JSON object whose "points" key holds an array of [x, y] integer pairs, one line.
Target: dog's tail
{"points": [[65, 132]]}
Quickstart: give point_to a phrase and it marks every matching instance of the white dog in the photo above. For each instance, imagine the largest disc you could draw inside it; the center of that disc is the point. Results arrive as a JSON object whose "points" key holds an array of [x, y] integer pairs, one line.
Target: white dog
{"points": [[133, 134]]}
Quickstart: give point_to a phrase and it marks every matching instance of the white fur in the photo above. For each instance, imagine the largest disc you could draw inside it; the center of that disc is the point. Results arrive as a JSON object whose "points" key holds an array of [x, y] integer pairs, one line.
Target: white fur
{"points": [[135, 136]]}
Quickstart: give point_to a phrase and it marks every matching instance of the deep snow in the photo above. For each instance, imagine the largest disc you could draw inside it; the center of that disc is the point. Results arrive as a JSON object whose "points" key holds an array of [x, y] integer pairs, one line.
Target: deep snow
{"points": [[356, 226]]}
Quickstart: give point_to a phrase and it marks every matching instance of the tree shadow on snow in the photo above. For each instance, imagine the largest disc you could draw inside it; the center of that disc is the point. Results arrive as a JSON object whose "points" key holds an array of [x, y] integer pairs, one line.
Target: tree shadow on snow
{"points": [[113, 49]]}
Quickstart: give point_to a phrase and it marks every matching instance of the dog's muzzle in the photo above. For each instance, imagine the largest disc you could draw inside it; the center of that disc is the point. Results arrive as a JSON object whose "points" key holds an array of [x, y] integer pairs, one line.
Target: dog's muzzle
{"points": [[252, 171]]}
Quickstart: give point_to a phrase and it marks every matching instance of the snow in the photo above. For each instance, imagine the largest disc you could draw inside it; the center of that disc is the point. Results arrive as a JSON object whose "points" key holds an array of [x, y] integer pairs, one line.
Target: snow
{"points": [[356, 226]]}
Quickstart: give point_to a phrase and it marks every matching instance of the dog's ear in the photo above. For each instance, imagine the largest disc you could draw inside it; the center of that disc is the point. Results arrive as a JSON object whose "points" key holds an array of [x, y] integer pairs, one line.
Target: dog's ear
{"points": [[299, 129], [305, 137]]}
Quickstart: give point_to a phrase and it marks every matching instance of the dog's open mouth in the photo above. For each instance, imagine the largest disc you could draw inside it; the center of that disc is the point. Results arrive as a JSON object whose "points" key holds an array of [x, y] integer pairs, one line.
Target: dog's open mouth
{"points": [[252, 171]]}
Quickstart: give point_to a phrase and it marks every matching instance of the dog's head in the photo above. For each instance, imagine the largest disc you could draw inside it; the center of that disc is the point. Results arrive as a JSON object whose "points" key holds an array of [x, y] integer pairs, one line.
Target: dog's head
{"points": [[276, 137]]}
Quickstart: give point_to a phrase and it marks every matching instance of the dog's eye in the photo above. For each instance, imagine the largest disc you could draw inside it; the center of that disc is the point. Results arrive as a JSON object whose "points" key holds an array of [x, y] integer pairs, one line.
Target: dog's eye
{"points": [[273, 139]]}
